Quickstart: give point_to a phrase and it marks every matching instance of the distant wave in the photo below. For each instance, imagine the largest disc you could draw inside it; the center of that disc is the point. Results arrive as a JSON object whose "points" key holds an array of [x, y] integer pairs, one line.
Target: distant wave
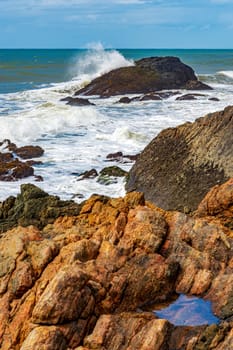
{"points": [[221, 77], [226, 73]]}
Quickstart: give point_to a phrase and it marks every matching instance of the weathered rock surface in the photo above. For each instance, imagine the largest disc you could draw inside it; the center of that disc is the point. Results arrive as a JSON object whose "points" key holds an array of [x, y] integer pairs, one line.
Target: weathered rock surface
{"points": [[181, 164], [83, 282], [148, 75], [33, 206]]}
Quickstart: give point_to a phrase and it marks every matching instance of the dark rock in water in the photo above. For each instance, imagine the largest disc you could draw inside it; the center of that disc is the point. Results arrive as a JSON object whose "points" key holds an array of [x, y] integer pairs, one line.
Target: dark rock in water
{"points": [[115, 156], [6, 157], [148, 75], [181, 164], [151, 97], [214, 99], [107, 175], [89, 174], [11, 168], [76, 101], [125, 100], [113, 171], [188, 97], [28, 152], [33, 206], [120, 157], [14, 170]]}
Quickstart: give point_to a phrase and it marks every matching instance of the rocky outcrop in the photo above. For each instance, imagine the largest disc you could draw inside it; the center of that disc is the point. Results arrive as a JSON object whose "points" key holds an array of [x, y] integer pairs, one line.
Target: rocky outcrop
{"points": [[85, 281], [33, 206], [181, 164], [13, 168], [147, 75]]}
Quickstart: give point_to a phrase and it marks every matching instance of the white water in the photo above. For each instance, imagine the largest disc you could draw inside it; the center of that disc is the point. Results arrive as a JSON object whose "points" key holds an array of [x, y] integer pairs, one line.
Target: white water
{"points": [[76, 139]]}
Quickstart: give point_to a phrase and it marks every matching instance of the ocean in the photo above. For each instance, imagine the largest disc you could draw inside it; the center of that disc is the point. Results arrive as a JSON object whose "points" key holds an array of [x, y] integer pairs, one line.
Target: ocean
{"points": [[77, 139]]}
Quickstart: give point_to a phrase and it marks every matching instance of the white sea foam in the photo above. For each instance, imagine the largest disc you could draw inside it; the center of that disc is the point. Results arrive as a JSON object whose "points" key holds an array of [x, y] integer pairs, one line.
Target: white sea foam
{"points": [[47, 120], [76, 139]]}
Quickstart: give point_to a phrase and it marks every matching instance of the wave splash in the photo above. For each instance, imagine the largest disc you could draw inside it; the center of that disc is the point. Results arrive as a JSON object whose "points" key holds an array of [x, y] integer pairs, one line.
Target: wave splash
{"points": [[95, 62], [226, 73]]}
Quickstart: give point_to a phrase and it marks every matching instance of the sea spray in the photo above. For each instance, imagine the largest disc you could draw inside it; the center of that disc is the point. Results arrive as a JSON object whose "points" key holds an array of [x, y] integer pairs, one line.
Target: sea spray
{"points": [[96, 62]]}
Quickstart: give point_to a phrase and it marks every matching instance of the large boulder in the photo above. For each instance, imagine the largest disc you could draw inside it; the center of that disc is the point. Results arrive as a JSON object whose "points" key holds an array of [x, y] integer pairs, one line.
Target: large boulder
{"points": [[180, 165], [147, 75]]}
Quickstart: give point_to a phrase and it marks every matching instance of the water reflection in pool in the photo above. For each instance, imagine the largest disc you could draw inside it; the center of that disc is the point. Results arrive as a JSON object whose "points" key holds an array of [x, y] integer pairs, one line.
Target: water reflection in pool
{"points": [[188, 311]]}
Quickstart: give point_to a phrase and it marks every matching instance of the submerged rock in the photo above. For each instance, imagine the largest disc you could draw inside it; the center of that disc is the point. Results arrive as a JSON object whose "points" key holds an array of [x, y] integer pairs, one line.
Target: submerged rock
{"points": [[148, 75], [181, 164]]}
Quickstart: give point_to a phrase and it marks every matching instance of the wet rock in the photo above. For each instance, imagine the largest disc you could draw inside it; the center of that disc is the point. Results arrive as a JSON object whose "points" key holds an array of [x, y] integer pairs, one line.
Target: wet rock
{"points": [[117, 156], [188, 97], [125, 100], [28, 152], [89, 174], [11, 168], [180, 165], [214, 99], [120, 157], [148, 75], [34, 207], [14, 170], [107, 175], [151, 97], [77, 101]]}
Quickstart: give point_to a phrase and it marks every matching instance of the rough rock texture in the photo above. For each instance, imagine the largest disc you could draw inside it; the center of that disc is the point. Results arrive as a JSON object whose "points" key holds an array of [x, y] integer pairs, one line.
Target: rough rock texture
{"points": [[218, 204], [181, 164], [13, 168], [148, 75], [83, 282], [33, 207]]}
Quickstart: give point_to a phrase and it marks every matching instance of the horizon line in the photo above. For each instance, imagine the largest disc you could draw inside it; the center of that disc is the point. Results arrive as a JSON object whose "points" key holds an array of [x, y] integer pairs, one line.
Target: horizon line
{"points": [[112, 48]]}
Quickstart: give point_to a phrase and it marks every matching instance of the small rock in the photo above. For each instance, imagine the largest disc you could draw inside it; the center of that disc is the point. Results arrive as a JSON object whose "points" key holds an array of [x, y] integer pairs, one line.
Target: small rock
{"points": [[125, 100], [89, 174], [188, 97], [28, 152], [77, 101], [213, 99]]}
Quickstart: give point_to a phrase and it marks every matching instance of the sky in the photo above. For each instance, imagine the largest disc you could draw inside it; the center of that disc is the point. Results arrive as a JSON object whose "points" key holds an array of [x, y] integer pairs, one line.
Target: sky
{"points": [[116, 23]]}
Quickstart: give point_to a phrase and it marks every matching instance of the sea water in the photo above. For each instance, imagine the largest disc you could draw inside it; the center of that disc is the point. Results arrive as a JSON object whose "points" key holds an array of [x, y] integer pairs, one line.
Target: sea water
{"points": [[76, 139]]}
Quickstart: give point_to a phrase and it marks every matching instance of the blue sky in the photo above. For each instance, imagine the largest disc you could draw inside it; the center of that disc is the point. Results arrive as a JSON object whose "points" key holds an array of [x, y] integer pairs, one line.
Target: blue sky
{"points": [[116, 23]]}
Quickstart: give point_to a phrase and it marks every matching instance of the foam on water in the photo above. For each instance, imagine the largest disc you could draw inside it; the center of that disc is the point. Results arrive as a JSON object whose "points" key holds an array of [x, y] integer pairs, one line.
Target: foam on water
{"points": [[76, 139]]}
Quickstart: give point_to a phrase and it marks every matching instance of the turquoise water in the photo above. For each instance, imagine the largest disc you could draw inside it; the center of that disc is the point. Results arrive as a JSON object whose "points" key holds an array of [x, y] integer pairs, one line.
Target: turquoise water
{"points": [[30, 69]]}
